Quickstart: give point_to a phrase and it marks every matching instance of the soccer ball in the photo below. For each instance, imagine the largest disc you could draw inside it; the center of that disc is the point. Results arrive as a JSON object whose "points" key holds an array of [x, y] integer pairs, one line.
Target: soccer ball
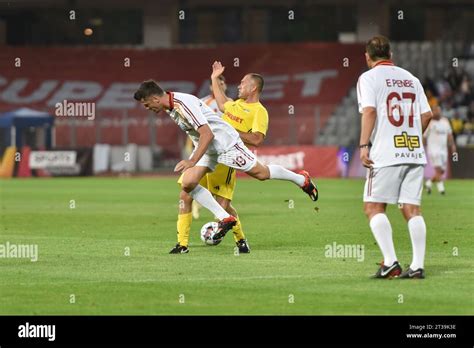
{"points": [[208, 231]]}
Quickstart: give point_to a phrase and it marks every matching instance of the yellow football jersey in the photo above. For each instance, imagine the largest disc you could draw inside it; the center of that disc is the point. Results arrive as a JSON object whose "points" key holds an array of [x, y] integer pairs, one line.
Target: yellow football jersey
{"points": [[246, 117]]}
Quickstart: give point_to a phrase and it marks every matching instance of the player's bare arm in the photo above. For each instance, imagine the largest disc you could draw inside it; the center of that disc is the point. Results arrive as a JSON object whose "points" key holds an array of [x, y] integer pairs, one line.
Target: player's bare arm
{"points": [[219, 94], [205, 138], [425, 120], [452, 143], [425, 137], [369, 115], [253, 138]]}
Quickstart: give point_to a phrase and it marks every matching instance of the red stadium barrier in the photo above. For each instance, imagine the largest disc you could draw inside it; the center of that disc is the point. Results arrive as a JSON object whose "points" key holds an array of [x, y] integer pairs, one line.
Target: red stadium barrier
{"points": [[301, 75], [319, 161], [24, 170]]}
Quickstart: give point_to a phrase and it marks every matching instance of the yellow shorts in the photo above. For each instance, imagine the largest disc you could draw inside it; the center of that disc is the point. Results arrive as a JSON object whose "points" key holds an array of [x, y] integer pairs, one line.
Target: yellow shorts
{"points": [[221, 182]]}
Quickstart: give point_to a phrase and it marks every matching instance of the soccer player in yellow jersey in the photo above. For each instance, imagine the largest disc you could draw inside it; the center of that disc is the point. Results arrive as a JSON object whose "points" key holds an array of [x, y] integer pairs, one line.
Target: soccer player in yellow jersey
{"points": [[250, 118], [247, 115]]}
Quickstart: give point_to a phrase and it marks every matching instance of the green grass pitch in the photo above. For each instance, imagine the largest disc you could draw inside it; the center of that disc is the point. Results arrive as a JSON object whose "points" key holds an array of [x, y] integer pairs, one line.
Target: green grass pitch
{"points": [[82, 252]]}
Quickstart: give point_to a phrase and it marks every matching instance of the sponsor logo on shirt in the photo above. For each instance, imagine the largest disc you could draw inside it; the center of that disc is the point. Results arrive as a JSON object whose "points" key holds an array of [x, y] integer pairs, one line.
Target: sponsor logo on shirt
{"points": [[233, 117], [407, 141]]}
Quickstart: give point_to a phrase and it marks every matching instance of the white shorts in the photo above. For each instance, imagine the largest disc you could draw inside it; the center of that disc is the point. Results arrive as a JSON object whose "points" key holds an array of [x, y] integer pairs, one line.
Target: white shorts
{"points": [[395, 184], [238, 157], [439, 159]]}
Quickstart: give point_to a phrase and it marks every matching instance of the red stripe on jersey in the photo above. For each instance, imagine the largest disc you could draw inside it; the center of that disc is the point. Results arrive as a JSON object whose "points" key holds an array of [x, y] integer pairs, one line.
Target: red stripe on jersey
{"points": [[243, 152], [369, 188], [192, 115], [383, 62], [188, 111], [371, 180], [170, 94]]}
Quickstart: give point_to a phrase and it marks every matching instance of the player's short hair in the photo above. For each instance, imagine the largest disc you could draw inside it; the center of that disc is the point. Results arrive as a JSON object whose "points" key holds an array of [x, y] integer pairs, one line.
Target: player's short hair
{"points": [[378, 48], [147, 89], [258, 80]]}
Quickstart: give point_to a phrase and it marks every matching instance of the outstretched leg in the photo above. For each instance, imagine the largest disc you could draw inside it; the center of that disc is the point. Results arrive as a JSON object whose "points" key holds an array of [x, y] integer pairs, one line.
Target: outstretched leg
{"points": [[277, 172]]}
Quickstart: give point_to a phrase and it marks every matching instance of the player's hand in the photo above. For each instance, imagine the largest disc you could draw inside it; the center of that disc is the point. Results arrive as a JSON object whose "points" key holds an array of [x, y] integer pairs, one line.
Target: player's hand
{"points": [[217, 69], [183, 165], [364, 157]]}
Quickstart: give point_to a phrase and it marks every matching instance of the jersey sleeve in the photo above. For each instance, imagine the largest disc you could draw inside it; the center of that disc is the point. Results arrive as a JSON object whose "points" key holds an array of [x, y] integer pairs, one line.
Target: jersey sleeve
{"points": [[424, 105], [192, 111], [365, 93], [260, 121]]}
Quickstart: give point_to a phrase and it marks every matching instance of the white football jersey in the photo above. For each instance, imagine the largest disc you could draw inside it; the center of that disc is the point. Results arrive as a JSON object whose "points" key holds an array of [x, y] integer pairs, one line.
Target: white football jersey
{"points": [[399, 99], [190, 113], [437, 135], [210, 101]]}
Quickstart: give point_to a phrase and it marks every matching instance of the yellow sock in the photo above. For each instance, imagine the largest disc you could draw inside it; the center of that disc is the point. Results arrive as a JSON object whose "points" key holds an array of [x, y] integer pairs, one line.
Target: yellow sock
{"points": [[184, 226], [237, 230]]}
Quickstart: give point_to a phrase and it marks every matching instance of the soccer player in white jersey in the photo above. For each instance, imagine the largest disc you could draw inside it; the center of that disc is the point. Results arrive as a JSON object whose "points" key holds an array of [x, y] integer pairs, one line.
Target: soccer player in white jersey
{"points": [[395, 112], [438, 136], [215, 141], [210, 101]]}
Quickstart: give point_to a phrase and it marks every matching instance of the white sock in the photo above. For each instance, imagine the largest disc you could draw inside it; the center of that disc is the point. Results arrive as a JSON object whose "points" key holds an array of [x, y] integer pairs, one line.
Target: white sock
{"points": [[429, 183], [382, 230], [281, 173], [204, 197], [417, 228], [440, 186]]}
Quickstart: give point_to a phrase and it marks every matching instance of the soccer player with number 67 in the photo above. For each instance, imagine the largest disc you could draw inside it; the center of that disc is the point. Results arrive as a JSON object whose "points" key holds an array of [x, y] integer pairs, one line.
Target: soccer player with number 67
{"points": [[395, 113]]}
